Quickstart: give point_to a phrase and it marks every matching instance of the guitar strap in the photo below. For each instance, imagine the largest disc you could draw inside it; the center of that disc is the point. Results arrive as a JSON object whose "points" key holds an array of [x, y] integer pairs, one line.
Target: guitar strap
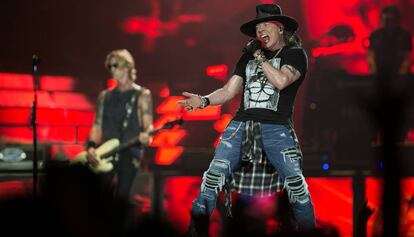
{"points": [[129, 107], [139, 112]]}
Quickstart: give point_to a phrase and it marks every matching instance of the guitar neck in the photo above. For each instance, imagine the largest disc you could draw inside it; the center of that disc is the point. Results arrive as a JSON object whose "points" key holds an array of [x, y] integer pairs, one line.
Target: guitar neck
{"points": [[128, 144]]}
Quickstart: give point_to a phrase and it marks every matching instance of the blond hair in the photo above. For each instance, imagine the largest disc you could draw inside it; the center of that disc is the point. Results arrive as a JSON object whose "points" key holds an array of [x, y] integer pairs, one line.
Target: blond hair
{"points": [[125, 58]]}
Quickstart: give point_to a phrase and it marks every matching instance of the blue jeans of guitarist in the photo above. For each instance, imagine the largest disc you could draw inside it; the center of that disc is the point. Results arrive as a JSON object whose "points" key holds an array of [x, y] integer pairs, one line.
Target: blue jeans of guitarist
{"points": [[276, 139]]}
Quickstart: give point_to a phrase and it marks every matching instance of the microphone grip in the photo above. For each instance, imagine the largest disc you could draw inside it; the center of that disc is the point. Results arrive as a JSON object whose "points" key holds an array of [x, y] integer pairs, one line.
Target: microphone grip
{"points": [[252, 45]]}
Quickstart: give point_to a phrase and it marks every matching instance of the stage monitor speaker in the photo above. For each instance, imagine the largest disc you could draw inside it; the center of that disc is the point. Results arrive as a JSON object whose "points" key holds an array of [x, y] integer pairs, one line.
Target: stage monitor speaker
{"points": [[16, 160]]}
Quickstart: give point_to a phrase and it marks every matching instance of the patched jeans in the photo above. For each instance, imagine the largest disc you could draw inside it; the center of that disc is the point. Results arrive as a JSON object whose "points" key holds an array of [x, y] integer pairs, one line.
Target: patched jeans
{"points": [[282, 149]]}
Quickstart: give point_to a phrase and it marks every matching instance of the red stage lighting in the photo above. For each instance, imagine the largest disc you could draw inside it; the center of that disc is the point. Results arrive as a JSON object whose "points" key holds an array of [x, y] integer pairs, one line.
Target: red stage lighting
{"points": [[167, 155], [57, 83], [217, 71], [169, 105], [111, 83], [208, 113], [165, 92]]}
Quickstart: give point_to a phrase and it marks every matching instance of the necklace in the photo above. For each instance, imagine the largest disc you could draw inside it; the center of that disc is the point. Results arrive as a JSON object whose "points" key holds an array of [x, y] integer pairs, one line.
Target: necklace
{"points": [[278, 51]]}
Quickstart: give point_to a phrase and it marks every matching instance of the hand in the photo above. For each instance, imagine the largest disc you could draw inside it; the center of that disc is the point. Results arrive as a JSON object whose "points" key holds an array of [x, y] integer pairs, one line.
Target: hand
{"points": [[366, 212], [91, 157], [192, 103], [258, 55], [144, 138]]}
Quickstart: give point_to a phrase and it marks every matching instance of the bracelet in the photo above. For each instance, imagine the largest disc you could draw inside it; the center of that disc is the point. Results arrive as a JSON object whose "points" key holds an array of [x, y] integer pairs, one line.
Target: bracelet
{"points": [[90, 144], [205, 101]]}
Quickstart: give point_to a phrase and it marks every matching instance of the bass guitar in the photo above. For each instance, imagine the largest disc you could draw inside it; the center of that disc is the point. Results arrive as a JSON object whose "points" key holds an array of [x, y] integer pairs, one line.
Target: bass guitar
{"points": [[106, 152]]}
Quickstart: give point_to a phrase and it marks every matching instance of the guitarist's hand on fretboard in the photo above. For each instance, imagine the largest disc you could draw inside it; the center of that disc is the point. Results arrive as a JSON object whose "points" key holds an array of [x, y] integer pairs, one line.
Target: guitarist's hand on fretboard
{"points": [[91, 157], [144, 138]]}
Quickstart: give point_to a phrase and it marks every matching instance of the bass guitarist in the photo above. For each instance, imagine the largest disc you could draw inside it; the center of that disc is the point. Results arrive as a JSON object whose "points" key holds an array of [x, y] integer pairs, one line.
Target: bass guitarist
{"points": [[123, 113]]}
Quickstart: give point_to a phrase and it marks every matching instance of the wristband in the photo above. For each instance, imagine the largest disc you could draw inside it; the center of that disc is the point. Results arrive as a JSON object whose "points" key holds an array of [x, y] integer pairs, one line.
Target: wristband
{"points": [[205, 101]]}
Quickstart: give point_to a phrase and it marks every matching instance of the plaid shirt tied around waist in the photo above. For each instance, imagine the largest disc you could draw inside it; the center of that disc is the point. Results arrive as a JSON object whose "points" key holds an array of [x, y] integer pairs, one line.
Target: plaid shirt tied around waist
{"points": [[256, 175]]}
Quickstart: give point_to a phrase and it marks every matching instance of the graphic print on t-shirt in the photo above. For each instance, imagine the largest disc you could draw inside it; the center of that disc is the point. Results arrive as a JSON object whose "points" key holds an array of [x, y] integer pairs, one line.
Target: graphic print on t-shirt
{"points": [[258, 91]]}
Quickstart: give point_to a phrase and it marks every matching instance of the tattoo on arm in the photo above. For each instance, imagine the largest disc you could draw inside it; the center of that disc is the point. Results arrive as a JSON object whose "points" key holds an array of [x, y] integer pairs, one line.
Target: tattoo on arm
{"points": [[146, 109], [99, 110], [96, 130]]}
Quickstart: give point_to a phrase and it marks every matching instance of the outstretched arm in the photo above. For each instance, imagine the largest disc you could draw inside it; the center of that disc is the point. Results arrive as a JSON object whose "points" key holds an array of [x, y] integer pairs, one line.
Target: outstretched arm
{"points": [[363, 217], [218, 97]]}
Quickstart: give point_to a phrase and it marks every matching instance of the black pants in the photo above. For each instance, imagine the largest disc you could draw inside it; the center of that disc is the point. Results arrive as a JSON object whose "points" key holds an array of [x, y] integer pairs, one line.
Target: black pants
{"points": [[125, 171]]}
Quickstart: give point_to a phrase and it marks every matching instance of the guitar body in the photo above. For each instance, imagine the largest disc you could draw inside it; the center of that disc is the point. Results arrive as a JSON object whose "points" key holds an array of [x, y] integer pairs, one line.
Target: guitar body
{"points": [[105, 165], [105, 152]]}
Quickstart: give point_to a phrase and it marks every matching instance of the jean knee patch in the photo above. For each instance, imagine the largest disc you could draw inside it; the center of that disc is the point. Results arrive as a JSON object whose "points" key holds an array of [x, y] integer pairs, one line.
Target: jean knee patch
{"points": [[215, 177], [292, 155], [297, 189]]}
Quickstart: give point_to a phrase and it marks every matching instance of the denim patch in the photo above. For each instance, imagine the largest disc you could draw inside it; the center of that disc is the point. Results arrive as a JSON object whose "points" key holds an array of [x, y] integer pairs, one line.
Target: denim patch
{"points": [[224, 164], [297, 189], [292, 153], [215, 177]]}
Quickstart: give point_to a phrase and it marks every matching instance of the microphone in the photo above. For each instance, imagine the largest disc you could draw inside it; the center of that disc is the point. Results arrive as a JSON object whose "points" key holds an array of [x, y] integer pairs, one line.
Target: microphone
{"points": [[252, 45], [35, 59], [35, 62]]}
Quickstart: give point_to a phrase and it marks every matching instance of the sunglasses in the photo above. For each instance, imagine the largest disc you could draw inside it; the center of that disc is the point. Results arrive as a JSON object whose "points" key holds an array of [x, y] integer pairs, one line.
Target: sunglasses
{"points": [[113, 65]]}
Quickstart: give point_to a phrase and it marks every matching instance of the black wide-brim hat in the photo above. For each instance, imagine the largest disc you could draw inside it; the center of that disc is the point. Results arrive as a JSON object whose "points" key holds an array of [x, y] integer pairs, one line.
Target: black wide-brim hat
{"points": [[268, 12]]}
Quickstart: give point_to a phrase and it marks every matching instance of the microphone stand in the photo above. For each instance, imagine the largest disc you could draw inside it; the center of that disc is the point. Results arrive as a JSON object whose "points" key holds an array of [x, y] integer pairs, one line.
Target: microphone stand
{"points": [[35, 62]]}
